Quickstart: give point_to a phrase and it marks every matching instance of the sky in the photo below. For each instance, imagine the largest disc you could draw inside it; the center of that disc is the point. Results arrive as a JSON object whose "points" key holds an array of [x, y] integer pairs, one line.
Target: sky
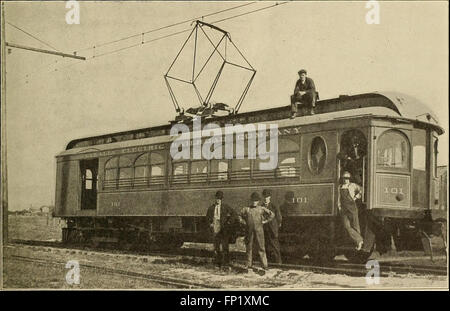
{"points": [[52, 100]]}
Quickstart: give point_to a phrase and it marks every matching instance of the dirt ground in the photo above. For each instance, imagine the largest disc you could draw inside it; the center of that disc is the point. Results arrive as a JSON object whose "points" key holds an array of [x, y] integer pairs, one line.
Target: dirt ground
{"points": [[19, 274]]}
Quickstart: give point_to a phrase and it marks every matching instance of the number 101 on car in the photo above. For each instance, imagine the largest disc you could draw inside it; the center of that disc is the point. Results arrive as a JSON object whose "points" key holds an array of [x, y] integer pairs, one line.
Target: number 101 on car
{"points": [[300, 200]]}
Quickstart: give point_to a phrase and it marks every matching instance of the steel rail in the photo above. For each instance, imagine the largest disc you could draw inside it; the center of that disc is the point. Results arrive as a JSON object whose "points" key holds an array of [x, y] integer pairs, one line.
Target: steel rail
{"points": [[339, 267], [146, 276]]}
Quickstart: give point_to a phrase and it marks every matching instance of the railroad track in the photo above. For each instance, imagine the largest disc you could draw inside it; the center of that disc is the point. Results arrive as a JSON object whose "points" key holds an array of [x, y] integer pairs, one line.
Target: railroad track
{"points": [[385, 269], [155, 278], [60, 245], [334, 267]]}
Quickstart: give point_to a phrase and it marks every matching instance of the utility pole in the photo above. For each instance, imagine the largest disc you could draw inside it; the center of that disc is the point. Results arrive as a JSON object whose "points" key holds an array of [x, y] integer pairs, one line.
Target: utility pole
{"points": [[4, 185], [4, 190], [4, 173]]}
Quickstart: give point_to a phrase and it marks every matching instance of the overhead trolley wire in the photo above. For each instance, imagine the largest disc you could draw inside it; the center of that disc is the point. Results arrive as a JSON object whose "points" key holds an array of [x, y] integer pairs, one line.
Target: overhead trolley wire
{"points": [[165, 27], [171, 34], [141, 43], [128, 37], [32, 36], [187, 30], [250, 12]]}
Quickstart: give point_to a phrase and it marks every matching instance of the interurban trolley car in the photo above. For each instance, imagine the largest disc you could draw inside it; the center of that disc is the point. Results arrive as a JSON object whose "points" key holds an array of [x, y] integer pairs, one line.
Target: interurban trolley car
{"points": [[125, 187]]}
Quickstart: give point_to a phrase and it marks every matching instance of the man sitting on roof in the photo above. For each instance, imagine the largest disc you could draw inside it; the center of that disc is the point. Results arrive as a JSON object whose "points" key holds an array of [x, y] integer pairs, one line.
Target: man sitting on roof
{"points": [[304, 93]]}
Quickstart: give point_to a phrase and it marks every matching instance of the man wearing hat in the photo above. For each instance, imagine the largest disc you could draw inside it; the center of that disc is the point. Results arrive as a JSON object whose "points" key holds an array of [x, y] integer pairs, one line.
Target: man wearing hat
{"points": [[350, 192], [271, 228], [221, 218], [255, 216], [352, 157], [304, 93]]}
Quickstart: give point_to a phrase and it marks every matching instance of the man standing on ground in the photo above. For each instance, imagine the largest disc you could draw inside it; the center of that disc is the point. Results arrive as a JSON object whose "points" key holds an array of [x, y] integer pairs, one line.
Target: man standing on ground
{"points": [[349, 193], [255, 216], [271, 229], [220, 218]]}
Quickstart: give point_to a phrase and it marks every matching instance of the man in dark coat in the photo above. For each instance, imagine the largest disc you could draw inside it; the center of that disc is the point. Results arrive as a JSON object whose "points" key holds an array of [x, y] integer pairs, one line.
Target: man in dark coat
{"points": [[352, 159], [221, 220], [304, 93], [271, 229]]}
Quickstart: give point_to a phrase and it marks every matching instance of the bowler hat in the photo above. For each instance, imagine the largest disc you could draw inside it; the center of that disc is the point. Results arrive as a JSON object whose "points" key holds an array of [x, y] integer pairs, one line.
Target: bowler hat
{"points": [[346, 175], [255, 196], [219, 195], [302, 71], [266, 193]]}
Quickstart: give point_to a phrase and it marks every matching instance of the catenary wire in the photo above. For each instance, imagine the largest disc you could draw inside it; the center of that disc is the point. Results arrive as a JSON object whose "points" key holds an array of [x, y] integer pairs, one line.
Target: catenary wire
{"points": [[172, 34], [32, 36], [165, 27], [125, 38], [185, 30]]}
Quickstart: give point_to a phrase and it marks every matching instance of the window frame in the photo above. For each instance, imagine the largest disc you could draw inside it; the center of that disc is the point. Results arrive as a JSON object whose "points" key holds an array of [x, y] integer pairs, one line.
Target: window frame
{"points": [[414, 143], [90, 179], [131, 182], [146, 165], [276, 172], [125, 182], [419, 174], [111, 183], [435, 154], [198, 177], [294, 139], [408, 168], [241, 174], [319, 172], [214, 176], [180, 178], [160, 178]]}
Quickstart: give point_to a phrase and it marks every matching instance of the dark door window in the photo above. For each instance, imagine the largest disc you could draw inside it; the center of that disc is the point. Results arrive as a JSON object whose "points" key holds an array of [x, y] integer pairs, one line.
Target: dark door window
{"points": [[353, 157], [89, 182], [419, 172]]}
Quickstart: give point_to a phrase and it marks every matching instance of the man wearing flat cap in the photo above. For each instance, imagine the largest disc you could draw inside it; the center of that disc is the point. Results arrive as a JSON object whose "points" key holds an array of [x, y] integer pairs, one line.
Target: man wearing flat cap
{"points": [[271, 229], [255, 216], [349, 193], [304, 93], [221, 219]]}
